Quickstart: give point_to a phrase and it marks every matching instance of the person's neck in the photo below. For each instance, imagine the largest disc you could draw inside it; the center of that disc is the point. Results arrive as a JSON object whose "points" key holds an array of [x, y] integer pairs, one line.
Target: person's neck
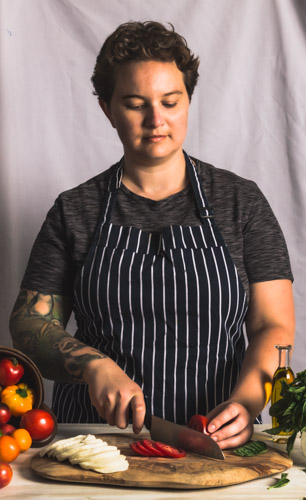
{"points": [[155, 181]]}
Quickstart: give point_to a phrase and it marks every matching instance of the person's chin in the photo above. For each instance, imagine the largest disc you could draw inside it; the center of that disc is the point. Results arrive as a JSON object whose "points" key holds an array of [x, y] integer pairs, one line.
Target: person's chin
{"points": [[157, 148]]}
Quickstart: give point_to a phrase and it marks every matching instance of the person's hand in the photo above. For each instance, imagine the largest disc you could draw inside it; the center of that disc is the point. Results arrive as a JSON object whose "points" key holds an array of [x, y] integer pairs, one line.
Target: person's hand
{"points": [[230, 424], [114, 394]]}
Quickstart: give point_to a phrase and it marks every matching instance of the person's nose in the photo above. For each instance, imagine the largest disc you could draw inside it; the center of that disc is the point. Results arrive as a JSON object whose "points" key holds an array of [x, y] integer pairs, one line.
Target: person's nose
{"points": [[154, 117]]}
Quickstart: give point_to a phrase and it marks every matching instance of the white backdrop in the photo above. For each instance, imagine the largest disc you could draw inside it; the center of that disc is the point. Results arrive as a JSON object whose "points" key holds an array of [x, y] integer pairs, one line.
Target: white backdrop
{"points": [[248, 113]]}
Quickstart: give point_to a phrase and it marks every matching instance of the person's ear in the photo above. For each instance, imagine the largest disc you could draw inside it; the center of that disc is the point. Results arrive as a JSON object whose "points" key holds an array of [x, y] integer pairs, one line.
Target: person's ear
{"points": [[107, 111]]}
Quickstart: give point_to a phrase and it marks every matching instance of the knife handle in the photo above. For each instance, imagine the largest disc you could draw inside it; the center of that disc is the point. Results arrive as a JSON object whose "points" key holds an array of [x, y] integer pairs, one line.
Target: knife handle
{"points": [[148, 418], [147, 421]]}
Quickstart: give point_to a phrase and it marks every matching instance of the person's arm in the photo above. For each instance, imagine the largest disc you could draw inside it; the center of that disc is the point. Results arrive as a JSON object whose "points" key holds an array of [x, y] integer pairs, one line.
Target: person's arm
{"points": [[37, 327], [270, 321]]}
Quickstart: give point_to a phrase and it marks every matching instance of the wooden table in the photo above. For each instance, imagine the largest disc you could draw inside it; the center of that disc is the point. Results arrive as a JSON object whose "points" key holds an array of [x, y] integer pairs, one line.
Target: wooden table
{"points": [[27, 485]]}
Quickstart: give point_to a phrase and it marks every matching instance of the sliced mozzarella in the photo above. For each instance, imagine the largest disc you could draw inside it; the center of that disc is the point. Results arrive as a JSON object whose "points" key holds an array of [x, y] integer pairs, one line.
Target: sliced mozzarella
{"points": [[112, 467], [100, 458], [80, 447], [100, 451], [88, 452], [60, 444], [92, 446], [63, 452], [93, 464], [75, 449], [116, 465], [67, 443]]}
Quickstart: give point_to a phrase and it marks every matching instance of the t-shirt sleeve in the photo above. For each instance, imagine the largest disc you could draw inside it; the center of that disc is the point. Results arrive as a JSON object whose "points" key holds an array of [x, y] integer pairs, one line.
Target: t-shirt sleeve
{"points": [[50, 269], [265, 251]]}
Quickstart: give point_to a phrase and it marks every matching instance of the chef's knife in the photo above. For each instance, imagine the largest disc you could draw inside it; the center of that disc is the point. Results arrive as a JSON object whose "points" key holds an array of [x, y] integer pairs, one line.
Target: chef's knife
{"points": [[182, 437]]}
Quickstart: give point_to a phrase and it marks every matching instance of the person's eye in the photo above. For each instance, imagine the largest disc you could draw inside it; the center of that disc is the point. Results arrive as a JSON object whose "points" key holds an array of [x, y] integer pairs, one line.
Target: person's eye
{"points": [[169, 104], [136, 106]]}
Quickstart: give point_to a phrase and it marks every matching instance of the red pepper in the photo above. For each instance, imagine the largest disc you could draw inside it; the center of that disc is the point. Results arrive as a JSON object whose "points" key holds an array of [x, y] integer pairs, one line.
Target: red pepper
{"points": [[11, 371]]}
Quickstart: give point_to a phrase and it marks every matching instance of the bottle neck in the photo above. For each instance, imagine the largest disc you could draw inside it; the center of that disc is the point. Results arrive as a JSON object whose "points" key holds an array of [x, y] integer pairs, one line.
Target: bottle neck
{"points": [[283, 353]]}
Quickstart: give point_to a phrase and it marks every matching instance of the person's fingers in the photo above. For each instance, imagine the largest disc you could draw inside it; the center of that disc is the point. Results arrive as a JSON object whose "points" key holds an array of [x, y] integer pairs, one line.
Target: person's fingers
{"points": [[138, 408], [122, 410], [221, 416], [109, 409], [116, 410], [230, 424], [236, 440], [235, 427], [240, 425]]}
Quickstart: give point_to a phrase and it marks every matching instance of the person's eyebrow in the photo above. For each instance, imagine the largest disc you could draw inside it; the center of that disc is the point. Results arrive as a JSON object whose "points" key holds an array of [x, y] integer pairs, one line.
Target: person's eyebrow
{"points": [[137, 96]]}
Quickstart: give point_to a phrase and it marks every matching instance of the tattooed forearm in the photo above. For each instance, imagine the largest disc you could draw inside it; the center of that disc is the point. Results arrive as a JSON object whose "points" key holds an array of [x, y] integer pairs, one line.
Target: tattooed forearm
{"points": [[37, 326]]}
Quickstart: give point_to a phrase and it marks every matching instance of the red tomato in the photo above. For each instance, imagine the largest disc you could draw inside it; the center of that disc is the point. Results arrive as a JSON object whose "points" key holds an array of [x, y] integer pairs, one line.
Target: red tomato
{"points": [[5, 413], [39, 423], [11, 371], [7, 429], [169, 451], [148, 448], [6, 474], [198, 423], [151, 447], [140, 450]]}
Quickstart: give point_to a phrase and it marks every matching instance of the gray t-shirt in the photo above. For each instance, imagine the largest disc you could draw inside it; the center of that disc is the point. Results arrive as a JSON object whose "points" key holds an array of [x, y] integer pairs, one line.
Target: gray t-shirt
{"points": [[242, 213]]}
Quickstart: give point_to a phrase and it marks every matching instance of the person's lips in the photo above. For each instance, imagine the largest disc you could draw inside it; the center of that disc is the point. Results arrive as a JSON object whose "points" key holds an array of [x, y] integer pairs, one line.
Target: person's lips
{"points": [[155, 138]]}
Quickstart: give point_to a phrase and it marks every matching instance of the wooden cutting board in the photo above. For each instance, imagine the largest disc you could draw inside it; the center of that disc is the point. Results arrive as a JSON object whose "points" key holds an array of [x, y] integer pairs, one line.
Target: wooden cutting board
{"points": [[190, 472]]}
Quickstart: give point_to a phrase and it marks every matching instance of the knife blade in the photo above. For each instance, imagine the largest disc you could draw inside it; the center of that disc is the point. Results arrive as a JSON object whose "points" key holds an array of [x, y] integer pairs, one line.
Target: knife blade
{"points": [[182, 437]]}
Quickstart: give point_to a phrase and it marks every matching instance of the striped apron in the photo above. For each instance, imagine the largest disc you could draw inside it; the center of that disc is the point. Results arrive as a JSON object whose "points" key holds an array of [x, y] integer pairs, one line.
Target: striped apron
{"points": [[168, 307]]}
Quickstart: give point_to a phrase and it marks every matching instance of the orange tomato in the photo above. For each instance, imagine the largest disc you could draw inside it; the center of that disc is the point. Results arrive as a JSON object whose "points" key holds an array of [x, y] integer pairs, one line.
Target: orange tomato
{"points": [[23, 438], [9, 449]]}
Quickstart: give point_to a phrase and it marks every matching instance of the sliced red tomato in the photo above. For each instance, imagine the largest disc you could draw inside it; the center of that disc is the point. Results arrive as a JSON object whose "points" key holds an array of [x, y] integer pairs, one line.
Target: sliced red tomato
{"points": [[140, 450], [148, 448], [198, 423], [169, 451], [151, 447]]}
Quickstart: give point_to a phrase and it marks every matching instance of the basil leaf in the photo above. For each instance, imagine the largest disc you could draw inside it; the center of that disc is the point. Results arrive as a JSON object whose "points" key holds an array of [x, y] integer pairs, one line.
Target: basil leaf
{"points": [[274, 430], [290, 442], [251, 449], [281, 482]]}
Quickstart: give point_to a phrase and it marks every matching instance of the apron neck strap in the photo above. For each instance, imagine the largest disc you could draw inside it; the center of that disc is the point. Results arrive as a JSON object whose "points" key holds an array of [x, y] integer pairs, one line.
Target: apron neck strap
{"points": [[204, 209], [116, 177]]}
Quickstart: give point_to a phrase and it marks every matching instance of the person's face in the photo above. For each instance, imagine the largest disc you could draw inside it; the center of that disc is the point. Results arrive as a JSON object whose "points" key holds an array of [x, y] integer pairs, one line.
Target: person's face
{"points": [[149, 109]]}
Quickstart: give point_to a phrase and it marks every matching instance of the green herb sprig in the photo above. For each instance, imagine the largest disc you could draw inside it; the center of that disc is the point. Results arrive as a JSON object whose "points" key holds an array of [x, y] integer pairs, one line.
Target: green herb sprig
{"points": [[281, 482], [290, 410], [251, 449]]}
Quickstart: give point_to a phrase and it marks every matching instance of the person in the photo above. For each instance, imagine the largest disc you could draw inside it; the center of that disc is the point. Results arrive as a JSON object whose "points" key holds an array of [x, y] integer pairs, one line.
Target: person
{"points": [[177, 271]]}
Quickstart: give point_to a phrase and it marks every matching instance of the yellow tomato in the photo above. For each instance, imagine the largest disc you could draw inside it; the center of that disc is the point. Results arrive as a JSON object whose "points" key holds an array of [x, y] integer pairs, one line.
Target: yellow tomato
{"points": [[23, 438]]}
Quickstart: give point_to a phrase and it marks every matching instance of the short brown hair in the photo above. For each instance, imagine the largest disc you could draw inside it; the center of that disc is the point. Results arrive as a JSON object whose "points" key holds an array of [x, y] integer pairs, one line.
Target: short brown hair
{"points": [[141, 41]]}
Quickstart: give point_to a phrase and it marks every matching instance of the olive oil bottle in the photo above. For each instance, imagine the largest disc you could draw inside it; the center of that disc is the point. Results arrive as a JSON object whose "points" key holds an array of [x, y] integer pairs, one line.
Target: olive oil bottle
{"points": [[283, 372]]}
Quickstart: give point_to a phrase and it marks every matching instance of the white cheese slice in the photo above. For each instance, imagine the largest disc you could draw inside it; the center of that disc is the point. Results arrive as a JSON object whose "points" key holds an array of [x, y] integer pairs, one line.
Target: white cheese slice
{"points": [[60, 444], [107, 468], [88, 452], [99, 458], [100, 451], [65, 453]]}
